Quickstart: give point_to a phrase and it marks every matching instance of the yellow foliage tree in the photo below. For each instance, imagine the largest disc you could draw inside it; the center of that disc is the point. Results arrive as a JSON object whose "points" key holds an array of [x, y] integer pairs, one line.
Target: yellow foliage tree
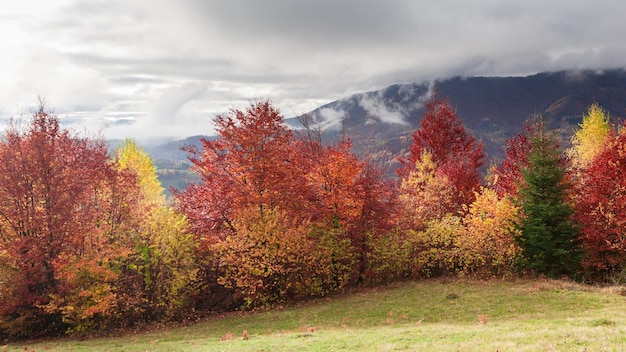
{"points": [[270, 259], [424, 194], [487, 245], [129, 156], [162, 266], [589, 139], [435, 250], [169, 264]]}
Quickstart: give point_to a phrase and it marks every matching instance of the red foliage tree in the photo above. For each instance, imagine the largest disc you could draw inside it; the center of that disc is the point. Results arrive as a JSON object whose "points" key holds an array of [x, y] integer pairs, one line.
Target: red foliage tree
{"points": [[60, 209], [507, 177], [456, 153], [252, 173], [254, 162], [259, 171], [601, 209]]}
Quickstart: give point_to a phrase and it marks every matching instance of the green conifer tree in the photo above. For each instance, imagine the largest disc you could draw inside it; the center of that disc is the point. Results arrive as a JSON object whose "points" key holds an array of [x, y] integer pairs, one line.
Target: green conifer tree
{"points": [[549, 239]]}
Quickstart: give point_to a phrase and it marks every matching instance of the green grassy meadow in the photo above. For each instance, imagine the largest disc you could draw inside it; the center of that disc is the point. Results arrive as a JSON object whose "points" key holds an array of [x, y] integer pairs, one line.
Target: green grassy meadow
{"points": [[430, 315]]}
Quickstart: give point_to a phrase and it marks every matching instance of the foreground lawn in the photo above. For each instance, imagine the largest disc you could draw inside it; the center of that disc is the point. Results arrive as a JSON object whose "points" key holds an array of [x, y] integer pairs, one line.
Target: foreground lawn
{"points": [[418, 316]]}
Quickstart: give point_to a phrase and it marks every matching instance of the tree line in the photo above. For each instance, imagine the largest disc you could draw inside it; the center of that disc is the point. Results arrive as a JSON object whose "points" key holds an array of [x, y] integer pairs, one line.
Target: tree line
{"points": [[89, 244]]}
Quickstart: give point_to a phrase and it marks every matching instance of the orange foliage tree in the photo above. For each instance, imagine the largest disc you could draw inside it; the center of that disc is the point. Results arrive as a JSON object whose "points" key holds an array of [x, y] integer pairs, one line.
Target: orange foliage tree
{"points": [[352, 199], [272, 259]]}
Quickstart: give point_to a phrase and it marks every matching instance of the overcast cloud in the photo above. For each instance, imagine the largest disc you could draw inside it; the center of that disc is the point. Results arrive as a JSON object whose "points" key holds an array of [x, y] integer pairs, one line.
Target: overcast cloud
{"points": [[166, 67]]}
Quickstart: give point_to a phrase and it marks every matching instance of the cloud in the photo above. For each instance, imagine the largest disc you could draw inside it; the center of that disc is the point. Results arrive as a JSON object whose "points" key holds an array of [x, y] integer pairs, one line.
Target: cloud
{"points": [[379, 108], [168, 105], [312, 24], [375, 106], [175, 112], [331, 118], [164, 66]]}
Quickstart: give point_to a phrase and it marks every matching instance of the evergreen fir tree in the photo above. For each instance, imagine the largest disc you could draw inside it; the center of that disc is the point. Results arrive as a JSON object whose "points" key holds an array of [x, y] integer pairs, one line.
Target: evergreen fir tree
{"points": [[549, 239]]}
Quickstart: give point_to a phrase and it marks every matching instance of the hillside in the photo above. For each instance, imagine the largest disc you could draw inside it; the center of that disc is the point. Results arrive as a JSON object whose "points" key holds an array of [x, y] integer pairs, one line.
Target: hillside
{"points": [[428, 315]]}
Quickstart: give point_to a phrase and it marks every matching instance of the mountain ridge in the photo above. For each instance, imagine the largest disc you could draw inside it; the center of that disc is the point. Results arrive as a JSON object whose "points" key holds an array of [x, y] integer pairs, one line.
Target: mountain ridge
{"points": [[381, 122], [491, 108]]}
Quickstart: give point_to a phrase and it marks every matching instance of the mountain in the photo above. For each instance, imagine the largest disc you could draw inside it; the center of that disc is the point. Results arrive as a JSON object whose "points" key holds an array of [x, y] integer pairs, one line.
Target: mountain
{"points": [[491, 108], [380, 123]]}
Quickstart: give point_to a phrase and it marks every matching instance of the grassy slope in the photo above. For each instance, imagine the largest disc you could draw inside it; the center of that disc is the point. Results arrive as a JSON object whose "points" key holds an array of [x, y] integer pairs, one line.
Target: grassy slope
{"points": [[418, 316]]}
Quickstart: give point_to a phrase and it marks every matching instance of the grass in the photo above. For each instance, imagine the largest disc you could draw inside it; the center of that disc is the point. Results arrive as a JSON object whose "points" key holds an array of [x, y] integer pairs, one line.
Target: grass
{"points": [[431, 315]]}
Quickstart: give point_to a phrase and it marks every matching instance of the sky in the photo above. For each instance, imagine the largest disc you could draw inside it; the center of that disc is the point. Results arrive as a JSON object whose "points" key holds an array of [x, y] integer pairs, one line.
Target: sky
{"points": [[150, 69]]}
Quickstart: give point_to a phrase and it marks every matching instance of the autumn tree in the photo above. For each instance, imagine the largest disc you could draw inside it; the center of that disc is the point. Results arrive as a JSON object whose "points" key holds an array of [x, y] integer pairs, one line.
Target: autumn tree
{"points": [[435, 250], [506, 177], [89, 274], [156, 275], [259, 171], [253, 173], [131, 157], [274, 259], [595, 154], [591, 136], [253, 162], [353, 200], [549, 238], [488, 245], [62, 207], [339, 177], [438, 179], [333, 178], [456, 154], [425, 193], [162, 268], [378, 213], [601, 209]]}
